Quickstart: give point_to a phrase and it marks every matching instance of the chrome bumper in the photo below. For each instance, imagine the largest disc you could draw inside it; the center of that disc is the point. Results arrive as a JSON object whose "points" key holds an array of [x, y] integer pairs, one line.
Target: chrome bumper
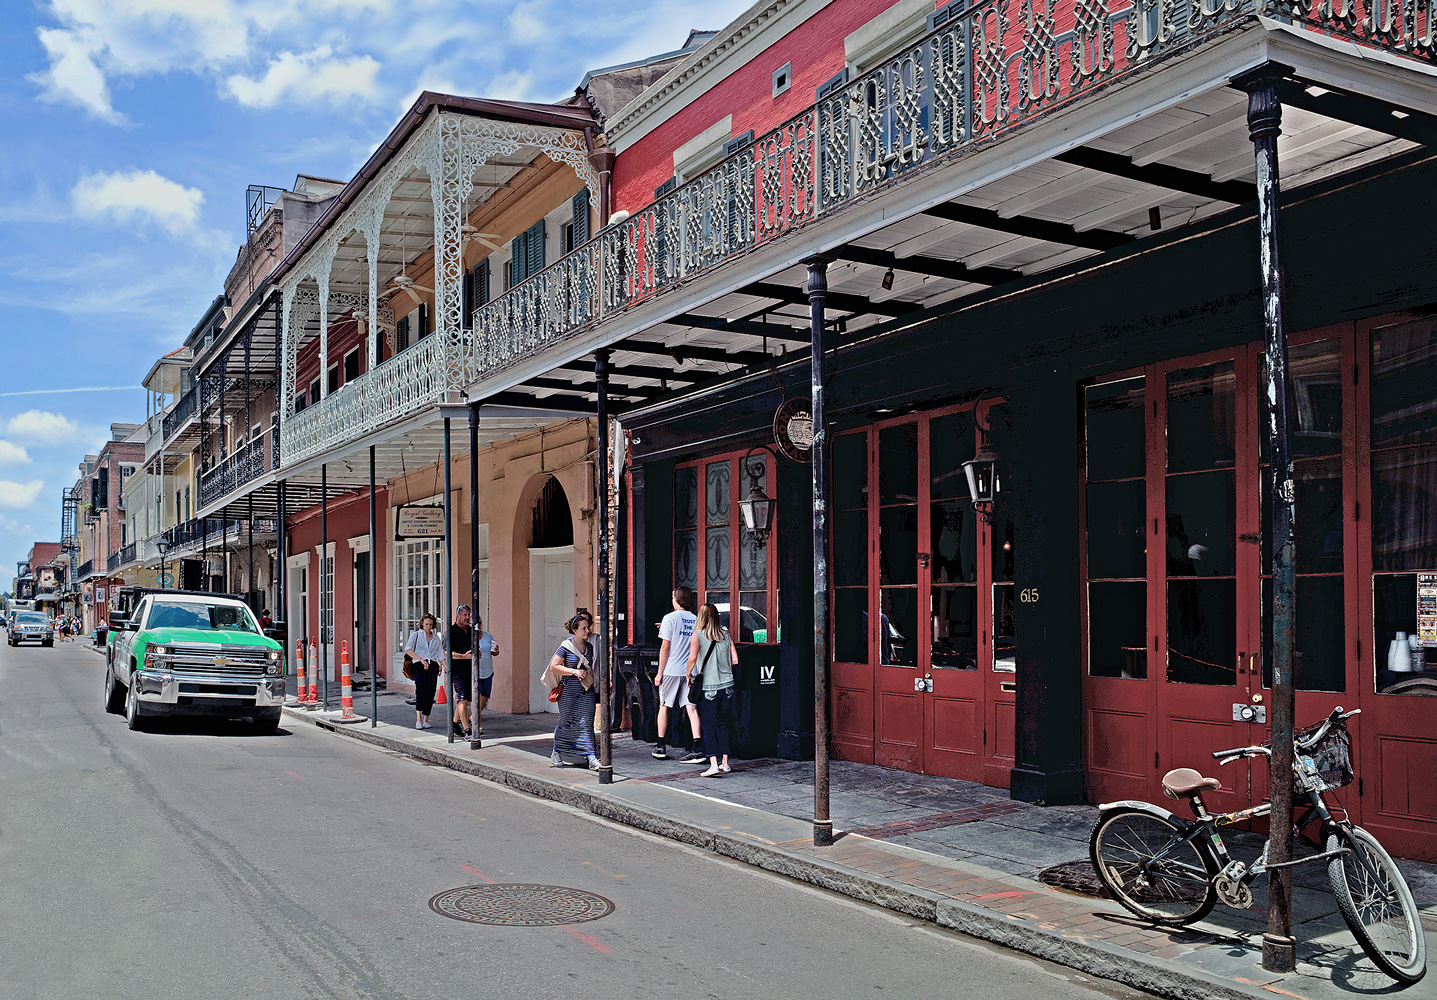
{"points": [[163, 687]]}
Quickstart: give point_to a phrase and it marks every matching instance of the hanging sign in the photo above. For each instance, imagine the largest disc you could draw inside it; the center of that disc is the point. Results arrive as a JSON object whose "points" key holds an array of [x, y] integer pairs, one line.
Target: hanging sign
{"points": [[100, 595], [793, 430], [1427, 610], [418, 522]]}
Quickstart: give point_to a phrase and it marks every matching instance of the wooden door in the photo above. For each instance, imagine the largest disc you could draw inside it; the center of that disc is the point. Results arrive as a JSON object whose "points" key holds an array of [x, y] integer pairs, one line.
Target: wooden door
{"points": [[551, 604], [899, 673]]}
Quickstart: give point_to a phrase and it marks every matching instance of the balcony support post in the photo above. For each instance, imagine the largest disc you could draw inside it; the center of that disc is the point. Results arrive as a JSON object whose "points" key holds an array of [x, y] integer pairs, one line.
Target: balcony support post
{"points": [[373, 588], [449, 601], [281, 545], [250, 521], [474, 740], [453, 155], [248, 340], [1264, 120], [606, 736], [817, 293], [205, 543], [326, 599], [371, 252]]}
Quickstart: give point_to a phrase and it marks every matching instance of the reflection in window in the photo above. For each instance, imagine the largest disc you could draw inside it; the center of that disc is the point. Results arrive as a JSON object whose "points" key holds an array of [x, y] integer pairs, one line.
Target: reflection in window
{"points": [[955, 627], [1202, 632], [1117, 531]]}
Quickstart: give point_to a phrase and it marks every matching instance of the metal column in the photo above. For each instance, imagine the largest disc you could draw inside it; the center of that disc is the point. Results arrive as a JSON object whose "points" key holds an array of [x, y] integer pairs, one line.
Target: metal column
{"points": [[474, 740], [1264, 120], [249, 594], [449, 584], [281, 612], [817, 292], [323, 582], [373, 609], [601, 380]]}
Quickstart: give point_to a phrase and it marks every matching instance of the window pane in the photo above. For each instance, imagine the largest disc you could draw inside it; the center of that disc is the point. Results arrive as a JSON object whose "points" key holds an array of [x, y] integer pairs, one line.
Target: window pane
{"points": [[753, 561], [716, 559], [1201, 524], [686, 559], [1318, 530], [898, 464], [717, 494], [1202, 632], [1117, 539], [1115, 430], [1005, 632], [1004, 546], [1202, 413], [850, 548], [686, 500], [955, 627], [1404, 508], [753, 617], [1404, 405], [951, 444], [1402, 667], [898, 626], [850, 625], [1318, 662], [850, 471], [1117, 633], [898, 545], [954, 537]]}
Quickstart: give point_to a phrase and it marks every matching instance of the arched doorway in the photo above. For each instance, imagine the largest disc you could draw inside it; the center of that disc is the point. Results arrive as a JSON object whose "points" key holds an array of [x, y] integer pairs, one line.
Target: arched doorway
{"points": [[551, 584]]}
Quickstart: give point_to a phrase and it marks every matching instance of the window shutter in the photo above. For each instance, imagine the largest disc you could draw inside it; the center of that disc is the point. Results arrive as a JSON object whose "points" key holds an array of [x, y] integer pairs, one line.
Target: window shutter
{"points": [[466, 300], [421, 322], [481, 282], [536, 249], [581, 218], [661, 234], [401, 334], [737, 143], [518, 259]]}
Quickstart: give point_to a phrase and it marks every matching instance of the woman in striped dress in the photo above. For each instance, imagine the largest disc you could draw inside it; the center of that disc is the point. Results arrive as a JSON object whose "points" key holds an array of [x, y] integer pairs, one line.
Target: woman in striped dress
{"points": [[573, 667]]}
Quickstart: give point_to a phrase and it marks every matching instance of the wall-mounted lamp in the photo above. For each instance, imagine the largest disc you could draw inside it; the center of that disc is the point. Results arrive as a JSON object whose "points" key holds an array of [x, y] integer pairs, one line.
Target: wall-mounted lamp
{"points": [[982, 473], [756, 508], [888, 280]]}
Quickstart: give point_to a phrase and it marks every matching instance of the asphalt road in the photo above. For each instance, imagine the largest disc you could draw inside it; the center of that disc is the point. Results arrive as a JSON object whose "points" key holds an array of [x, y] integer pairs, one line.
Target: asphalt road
{"points": [[203, 860]]}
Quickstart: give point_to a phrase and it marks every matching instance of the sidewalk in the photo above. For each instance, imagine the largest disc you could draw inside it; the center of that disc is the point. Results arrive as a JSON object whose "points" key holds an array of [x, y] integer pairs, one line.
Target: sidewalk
{"points": [[956, 853]]}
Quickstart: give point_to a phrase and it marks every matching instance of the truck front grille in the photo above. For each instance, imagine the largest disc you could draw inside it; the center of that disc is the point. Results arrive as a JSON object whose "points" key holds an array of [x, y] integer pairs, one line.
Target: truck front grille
{"points": [[203, 659]]}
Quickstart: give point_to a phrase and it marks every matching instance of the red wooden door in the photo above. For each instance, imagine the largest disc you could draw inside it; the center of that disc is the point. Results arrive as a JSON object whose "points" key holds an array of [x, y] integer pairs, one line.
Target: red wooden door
{"points": [[900, 671]]}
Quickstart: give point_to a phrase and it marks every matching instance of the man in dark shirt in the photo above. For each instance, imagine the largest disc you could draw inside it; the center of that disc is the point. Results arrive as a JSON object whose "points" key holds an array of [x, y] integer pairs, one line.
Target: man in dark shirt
{"points": [[460, 645]]}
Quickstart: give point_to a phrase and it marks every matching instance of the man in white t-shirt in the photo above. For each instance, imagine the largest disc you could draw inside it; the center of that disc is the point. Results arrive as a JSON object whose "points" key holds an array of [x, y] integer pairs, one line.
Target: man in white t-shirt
{"points": [[676, 630]]}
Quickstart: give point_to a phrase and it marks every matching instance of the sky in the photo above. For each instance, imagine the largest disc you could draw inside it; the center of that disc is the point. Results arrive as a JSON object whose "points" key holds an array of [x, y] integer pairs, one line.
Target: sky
{"points": [[133, 127]]}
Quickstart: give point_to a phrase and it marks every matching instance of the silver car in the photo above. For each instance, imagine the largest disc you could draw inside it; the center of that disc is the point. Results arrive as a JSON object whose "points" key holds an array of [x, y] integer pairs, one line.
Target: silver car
{"points": [[31, 626]]}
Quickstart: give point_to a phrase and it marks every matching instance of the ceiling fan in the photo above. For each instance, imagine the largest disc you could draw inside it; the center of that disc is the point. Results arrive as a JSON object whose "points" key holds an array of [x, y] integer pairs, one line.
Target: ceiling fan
{"points": [[471, 234], [404, 283]]}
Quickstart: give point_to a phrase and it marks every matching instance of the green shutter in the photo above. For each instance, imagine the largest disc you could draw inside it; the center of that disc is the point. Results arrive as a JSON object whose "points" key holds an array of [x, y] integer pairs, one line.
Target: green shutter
{"points": [[401, 334], [518, 259], [481, 282], [581, 218], [466, 300], [422, 324], [536, 249]]}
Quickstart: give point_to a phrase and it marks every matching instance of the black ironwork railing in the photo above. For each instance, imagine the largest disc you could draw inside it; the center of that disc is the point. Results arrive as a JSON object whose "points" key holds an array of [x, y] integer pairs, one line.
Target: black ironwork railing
{"points": [[85, 568], [252, 460], [113, 562], [127, 554], [183, 409]]}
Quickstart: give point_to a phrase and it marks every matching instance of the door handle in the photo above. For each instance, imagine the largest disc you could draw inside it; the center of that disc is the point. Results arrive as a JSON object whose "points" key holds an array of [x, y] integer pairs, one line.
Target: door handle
{"points": [[1240, 668]]}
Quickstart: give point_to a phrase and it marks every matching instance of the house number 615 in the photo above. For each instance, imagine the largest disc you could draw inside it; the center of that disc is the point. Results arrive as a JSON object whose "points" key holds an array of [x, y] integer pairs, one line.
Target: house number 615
{"points": [[1028, 595]]}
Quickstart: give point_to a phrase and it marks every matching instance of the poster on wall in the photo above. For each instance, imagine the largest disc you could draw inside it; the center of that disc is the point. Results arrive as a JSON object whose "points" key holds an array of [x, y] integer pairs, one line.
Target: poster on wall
{"points": [[1427, 610], [418, 522], [100, 596]]}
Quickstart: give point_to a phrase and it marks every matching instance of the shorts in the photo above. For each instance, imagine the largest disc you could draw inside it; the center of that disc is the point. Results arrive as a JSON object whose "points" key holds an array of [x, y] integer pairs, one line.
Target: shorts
{"points": [[464, 686], [673, 690]]}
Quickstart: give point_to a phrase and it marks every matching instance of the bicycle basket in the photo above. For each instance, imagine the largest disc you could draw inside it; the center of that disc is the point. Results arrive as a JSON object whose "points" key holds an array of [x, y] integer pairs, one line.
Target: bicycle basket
{"points": [[1331, 756]]}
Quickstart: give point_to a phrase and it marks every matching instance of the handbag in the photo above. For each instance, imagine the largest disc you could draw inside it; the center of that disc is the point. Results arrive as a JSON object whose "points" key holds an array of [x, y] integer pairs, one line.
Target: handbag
{"points": [[408, 668], [696, 691], [555, 692]]}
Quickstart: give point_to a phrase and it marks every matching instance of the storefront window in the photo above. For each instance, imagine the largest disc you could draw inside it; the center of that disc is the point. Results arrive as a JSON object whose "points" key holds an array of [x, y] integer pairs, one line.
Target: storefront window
{"points": [[849, 566], [1404, 507], [898, 545], [1116, 539], [953, 537], [706, 496], [418, 586]]}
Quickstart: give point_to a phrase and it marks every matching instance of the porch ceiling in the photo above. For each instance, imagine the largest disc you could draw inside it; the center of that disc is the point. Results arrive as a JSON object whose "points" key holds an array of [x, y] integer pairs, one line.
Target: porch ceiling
{"points": [[1169, 170]]}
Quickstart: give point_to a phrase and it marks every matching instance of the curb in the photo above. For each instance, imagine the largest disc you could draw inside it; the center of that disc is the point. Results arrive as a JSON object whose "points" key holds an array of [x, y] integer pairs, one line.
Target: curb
{"points": [[1044, 941]]}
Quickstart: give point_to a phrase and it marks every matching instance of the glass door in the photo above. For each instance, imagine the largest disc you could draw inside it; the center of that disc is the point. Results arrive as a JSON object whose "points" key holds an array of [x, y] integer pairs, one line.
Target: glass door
{"points": [[899, 678]]}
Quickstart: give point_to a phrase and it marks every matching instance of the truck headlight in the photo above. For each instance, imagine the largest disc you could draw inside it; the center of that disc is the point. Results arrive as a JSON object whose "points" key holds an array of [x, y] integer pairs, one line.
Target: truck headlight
{"points": [[274, 666], [155, 656]]}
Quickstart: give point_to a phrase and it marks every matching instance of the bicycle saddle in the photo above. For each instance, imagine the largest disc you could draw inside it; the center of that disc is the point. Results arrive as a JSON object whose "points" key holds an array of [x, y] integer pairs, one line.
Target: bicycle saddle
{"points": [[1184, 782]]}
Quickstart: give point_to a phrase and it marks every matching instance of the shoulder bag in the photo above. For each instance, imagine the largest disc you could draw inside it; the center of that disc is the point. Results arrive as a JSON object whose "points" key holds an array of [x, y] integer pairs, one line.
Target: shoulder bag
{"points": [[696, 691]]}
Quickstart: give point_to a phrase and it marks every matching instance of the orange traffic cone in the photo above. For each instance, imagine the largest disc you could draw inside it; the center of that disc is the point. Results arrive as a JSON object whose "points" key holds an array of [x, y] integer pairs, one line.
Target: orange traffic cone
{"points": [[313, 677], [299, 668], [439, 696], [346, 695]]}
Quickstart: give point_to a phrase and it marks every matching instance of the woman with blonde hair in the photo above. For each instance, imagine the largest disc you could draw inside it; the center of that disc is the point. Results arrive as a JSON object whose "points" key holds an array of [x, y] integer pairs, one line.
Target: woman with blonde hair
{"points": [[714, 655]]}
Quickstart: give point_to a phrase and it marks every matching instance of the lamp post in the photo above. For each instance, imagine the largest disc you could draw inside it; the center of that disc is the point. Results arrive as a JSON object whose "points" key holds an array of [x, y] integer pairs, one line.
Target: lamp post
{"points": [[163, 545]]}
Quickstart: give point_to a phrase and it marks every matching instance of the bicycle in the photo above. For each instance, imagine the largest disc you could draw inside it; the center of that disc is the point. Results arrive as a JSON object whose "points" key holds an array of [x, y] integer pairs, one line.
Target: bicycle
{"points": [[1172, 871]]}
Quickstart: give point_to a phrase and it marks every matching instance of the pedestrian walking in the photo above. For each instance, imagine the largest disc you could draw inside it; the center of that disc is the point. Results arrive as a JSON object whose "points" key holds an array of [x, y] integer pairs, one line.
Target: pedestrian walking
{"points": [[469, 720], [425, 653], [676, 632], [265, 621], [488, 649], [712, 657], [572, 671]]}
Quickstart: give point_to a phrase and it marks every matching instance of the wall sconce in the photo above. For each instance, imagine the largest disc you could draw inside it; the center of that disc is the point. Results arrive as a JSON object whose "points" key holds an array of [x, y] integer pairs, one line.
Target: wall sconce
{"points": [[756, 508], [887, 281], [982, 473]]}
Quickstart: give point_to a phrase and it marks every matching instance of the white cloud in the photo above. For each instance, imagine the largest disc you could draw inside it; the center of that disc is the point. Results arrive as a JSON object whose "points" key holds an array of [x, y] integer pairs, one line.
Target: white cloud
{"points": [[73, 77], [19, 495], [13, 454], [41, 427], [314, 77], [138, 195]]}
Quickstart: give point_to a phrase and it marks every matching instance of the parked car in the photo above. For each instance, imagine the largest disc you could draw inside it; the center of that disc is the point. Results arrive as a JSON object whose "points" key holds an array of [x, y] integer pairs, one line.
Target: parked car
{"points": [[31, 626], [193, 654]]}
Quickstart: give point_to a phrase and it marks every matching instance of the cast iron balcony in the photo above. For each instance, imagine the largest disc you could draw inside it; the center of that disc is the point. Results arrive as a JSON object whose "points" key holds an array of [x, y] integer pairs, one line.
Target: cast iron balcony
{"points": [[183, 409], [252, 460]]}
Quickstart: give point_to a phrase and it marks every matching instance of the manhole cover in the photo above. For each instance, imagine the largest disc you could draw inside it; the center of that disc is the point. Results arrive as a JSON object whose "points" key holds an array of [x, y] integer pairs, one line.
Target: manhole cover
{"points": [[519, 904], [1074, 876]]}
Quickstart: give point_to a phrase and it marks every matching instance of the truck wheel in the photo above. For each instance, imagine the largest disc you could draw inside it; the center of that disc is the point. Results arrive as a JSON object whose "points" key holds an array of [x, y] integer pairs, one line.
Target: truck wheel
{"points": [[133, 718], [114, 693]]}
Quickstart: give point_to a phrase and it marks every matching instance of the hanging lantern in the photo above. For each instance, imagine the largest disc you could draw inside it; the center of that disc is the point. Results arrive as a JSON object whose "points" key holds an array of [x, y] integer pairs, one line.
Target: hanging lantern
{"points": [[982, 473], [757, 507]]}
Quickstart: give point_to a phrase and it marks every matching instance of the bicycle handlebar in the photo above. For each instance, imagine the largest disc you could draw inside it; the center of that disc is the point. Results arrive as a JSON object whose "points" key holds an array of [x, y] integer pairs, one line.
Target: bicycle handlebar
{"points": [[1236, 753]]}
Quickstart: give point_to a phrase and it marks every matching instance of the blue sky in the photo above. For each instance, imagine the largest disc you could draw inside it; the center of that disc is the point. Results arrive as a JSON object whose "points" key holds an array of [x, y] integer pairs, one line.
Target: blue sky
{"points": [[132, 128]]}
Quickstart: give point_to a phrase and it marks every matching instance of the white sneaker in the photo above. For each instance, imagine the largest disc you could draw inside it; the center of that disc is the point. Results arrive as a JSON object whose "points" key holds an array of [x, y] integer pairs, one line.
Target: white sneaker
{"points": [[419, 725], [725, 768], [426, 726], [593, 763], [713, 770]]}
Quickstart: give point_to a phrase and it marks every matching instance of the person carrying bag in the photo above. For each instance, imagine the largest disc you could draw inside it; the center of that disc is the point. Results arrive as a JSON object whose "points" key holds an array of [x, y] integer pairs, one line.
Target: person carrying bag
{"points": [[714, 655], [571, 674]]}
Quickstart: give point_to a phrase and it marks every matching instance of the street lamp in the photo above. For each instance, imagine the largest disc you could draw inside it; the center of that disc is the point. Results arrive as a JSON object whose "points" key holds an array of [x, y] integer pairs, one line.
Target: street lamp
{"points": [[756, 508], [982, 473], [164, 546]]}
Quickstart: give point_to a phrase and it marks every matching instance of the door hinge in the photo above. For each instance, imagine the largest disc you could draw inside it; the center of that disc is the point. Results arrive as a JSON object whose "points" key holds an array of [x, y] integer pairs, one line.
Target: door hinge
{"points": [[1155, 643], [1360, 791], [1155, 526], [985, 737], [1357, 510], [1155, 760], [1354, 372]]}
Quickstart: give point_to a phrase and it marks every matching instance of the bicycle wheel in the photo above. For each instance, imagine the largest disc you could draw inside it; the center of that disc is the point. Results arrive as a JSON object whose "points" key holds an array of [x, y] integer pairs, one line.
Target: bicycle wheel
{"points": [[1377, 904], [1149, 868]]}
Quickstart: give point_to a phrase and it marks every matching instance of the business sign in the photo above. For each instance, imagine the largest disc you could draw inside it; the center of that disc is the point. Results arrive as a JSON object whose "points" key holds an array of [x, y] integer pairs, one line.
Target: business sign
{"points": [[1427, 610], [100, 596], [767, 674], [418, 522]]}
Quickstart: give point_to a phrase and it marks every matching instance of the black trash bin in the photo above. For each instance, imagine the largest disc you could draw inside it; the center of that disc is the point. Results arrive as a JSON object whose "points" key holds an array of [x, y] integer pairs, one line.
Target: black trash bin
{"points": [[755, 724], [637, 666]]}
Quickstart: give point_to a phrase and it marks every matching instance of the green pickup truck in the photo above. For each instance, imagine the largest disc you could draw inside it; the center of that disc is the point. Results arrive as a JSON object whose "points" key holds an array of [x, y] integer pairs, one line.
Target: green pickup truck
{"points": [[193, 654]]}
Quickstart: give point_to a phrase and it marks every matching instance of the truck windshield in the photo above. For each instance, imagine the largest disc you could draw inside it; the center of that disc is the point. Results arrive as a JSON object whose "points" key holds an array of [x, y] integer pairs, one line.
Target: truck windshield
{"points": [[174, 614], [31, 617]]}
